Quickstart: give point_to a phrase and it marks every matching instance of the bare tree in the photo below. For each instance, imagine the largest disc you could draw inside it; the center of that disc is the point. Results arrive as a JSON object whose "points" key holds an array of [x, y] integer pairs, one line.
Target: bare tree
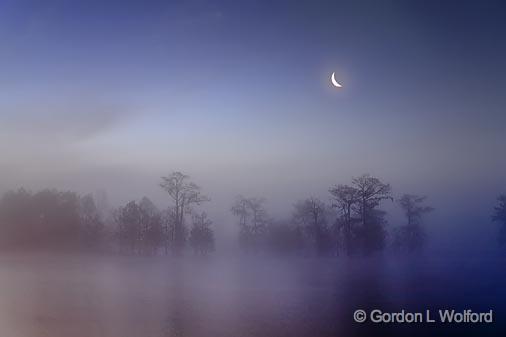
{"points": [[371, 191], [129, 221], [312, 213], [411, 236], [252, 221], [240, 208], [168, 225], [151, 226], [345, 198], [413, 208], [184, 194], [258, 215], [201, 234], [92, 226]]}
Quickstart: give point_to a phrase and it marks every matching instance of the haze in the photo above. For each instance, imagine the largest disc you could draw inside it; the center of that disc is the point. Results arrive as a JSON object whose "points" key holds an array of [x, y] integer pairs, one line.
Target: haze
{"points": [[113, 96], [119, 118]]}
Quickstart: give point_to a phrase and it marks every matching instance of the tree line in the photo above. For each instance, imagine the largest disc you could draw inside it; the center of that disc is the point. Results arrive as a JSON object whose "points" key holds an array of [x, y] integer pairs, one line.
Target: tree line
{"points": [[52, 219], [351, 223]]}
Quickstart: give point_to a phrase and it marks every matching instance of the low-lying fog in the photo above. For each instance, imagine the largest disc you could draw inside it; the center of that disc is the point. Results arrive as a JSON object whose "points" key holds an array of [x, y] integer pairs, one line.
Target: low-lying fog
{"points": [[67, 295]]}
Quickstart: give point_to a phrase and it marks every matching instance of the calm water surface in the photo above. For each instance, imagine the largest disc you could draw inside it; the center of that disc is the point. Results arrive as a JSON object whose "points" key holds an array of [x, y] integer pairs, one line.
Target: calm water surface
{"points": [[62, 296]]}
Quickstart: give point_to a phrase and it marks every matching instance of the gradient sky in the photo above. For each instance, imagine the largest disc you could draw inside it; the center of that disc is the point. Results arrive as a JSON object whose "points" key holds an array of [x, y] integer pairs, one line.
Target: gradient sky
{"points": [[113, 94]]}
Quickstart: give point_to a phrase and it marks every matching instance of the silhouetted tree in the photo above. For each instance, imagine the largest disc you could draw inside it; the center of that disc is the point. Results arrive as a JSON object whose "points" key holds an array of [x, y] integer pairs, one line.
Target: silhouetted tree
{"points": [[18, 218], [48, 219], [58, 217], [258, 216], [372, 237], [252, 222], [312, 214], [345, 199], [152, 235], [129, 220], [92, 226], [500, 216], [140, 227], [168, 227], [201, 234], [183, 194], [411, 237], [240, 209], [370, 192]]}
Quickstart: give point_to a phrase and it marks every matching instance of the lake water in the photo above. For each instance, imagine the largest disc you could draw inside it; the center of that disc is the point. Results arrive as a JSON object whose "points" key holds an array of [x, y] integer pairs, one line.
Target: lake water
{"points": [[63, 296]]}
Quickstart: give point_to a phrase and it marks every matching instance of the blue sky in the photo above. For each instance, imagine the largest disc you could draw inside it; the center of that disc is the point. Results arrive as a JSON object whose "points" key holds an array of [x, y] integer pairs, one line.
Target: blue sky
{"points": [[113, 94]]}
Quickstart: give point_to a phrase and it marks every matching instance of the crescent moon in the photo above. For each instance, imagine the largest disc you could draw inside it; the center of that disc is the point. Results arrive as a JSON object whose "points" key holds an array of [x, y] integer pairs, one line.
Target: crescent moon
{"points": [[334, 82]]}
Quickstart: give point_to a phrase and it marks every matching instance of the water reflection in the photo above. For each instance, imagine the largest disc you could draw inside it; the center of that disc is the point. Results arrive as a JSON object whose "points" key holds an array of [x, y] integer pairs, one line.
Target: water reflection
{"points": [[61, 296]]}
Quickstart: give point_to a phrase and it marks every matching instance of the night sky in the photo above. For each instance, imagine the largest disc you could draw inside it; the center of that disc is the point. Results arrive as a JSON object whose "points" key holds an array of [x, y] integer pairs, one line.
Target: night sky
{"points": [[113, 94]]}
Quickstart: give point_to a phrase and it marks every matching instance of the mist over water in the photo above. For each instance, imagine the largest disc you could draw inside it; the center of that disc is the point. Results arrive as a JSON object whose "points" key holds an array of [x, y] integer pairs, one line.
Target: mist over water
{"points": [[186, 168], [66, 295]]}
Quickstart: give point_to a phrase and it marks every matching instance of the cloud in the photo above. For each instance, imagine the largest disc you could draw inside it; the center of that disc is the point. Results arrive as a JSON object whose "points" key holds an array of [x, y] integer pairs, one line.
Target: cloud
{"points": [[71, 120]]}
